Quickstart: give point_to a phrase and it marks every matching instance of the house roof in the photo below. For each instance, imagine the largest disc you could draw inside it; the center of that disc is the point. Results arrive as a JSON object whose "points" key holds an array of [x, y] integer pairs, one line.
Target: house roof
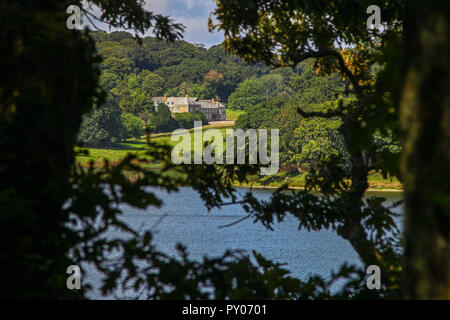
{"points": [[173, 101], [210, 104], [176, 100]]}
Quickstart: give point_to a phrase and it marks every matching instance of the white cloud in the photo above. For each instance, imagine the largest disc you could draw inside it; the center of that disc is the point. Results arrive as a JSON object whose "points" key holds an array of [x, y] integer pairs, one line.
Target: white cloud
{"points": [[197, 32], [159, 6], [181, 8], [193, 14]]}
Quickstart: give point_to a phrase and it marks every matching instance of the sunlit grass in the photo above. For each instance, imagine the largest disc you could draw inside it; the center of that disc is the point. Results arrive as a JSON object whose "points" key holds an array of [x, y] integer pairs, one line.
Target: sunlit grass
{"points": [[135, 146], [233, 114]]}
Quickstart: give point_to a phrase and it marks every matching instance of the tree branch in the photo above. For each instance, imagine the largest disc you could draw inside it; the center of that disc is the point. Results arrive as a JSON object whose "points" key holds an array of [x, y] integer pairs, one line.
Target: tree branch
{"points": [[330, 113], [327, 114], [235, 222]]}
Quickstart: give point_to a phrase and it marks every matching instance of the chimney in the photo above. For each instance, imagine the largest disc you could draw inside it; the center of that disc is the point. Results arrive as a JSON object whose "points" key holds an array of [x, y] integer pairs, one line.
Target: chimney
{"points": [[165, 98], [212, 100]]}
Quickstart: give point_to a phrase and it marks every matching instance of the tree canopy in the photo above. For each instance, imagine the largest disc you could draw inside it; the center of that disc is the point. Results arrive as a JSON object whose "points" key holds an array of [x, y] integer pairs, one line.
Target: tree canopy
{"points": [[336, 36], [181, 65]]}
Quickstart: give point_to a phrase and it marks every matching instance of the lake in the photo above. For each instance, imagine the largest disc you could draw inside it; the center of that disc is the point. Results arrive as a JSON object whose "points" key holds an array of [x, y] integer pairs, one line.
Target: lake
{"points": [[185, 220]]}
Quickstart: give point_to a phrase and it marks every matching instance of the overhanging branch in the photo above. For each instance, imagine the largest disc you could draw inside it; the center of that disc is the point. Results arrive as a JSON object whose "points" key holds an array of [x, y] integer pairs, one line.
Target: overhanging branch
{"points": [[330, 113]]}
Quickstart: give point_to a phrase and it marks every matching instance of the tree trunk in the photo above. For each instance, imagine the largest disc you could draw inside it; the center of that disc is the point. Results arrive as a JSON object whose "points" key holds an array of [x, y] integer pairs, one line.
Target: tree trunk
{"points": [[425, 117]]}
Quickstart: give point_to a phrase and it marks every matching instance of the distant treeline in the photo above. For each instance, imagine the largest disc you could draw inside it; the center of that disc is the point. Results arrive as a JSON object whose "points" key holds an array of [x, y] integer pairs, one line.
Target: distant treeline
{"points": [[132, 74]]}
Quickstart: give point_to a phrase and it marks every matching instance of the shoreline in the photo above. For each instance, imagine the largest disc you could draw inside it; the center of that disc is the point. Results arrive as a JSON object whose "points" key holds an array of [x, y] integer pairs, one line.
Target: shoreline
{"points": [[303, 188], [259, 186]]}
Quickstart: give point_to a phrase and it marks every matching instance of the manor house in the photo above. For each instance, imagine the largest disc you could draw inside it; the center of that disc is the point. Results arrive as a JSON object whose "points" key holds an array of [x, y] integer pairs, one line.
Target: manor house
{"points": [[212, 109]]}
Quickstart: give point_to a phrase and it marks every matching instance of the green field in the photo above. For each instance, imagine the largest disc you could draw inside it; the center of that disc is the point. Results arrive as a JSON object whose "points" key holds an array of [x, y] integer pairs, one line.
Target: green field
{"points": [[119, 151], [136, 146], [115, 153], [234, 114]]}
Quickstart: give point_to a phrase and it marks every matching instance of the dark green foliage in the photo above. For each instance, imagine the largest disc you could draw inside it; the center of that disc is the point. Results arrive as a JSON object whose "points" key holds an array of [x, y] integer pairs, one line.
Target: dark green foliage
{"points": [[134, 126], [304, 142], [198, 91], [186, 120], [118, 36], [317, 140], [264, 31], [176, 63], [103, 126], [49, 80], [249, 93], [261, 115], [108, 81], [309, 88], [135, 91], [120, 67], [255, 90], [425, 123], [162, 120]]}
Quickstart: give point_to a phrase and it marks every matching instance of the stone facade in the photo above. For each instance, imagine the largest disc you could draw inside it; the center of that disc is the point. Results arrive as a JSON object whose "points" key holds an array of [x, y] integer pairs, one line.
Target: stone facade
{"points": [[213, 110]]}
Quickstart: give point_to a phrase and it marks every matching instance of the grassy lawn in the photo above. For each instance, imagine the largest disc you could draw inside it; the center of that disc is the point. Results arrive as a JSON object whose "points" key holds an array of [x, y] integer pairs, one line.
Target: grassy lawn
{"points": [[118, 152], [115, 153], [233, 114]]}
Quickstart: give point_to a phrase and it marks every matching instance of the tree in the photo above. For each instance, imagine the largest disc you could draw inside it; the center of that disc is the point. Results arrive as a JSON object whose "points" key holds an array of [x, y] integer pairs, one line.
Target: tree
{"points": [[102, 126], [120, 67], [339, 43], [287, 120], [133, 125], [42, 102], [316, 141], [162, 120], [213, 81], [183, 89], [142, 57], [310, 88], [186, 119], [152, 83], [191, 89], [108, 81], [111, 49], [249, 92], [425, 118], [261, 115], [273, 84], [135, 92], [198, 90]]}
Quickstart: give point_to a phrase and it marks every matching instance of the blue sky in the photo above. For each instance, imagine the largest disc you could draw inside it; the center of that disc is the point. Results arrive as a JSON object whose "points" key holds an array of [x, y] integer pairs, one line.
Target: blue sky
{"points": [[193, 14]]}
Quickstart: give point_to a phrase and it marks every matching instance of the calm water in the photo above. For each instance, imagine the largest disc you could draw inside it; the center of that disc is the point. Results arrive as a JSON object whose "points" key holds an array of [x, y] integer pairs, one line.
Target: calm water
{"points": [[187, 221]]}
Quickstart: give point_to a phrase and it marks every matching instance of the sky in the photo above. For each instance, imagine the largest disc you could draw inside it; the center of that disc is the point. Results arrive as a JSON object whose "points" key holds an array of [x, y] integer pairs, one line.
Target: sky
{"points": [[193, 14]]}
